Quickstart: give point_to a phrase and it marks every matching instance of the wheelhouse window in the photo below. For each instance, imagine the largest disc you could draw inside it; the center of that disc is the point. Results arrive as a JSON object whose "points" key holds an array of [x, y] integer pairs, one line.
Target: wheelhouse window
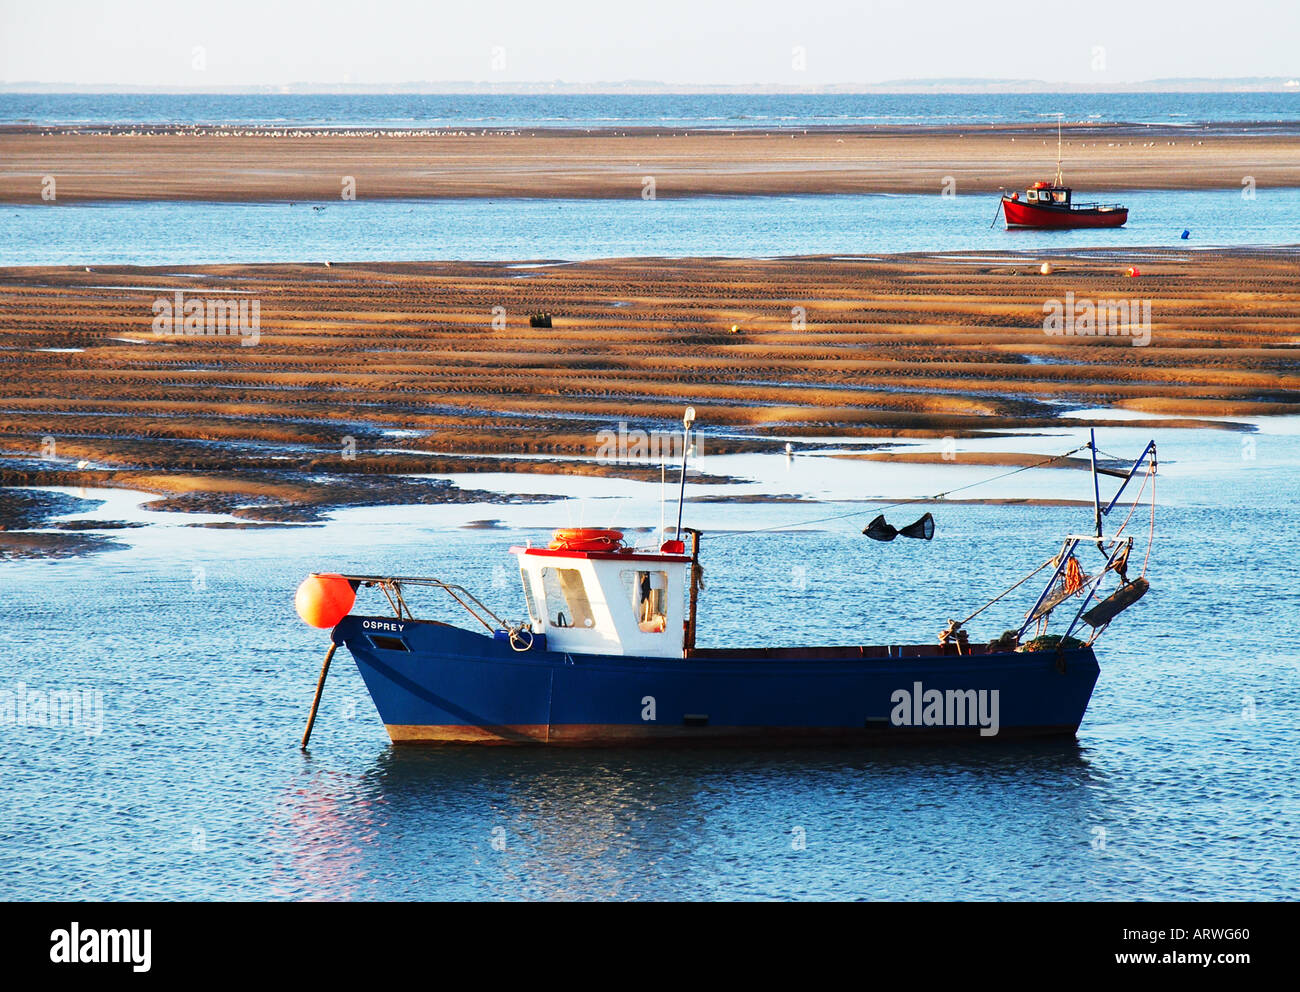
{"points": [[566, 598], [1031, 194], [1060, 196], [648, 593]]}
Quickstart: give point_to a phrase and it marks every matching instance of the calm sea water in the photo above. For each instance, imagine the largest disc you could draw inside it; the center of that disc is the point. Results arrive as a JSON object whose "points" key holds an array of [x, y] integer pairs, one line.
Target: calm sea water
{"points": [[729, 111], [187, 233], [1183, 783]]}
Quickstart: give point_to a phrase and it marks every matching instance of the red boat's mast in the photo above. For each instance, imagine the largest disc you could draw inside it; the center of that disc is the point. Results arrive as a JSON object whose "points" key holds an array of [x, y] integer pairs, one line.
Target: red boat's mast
{"points": [[1059, 181]]}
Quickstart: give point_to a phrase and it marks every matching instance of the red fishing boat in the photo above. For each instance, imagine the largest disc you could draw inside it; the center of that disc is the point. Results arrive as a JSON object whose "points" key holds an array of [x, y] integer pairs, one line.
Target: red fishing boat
{"points": [[1051, 205]]}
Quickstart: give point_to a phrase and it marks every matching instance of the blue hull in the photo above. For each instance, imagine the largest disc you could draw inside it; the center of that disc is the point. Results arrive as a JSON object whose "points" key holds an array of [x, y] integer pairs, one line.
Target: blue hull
{"points": [[435, 683]]}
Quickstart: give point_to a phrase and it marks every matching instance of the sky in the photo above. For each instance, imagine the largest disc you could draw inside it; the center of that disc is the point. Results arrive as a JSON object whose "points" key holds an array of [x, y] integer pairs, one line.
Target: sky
{"points": [[763, 42]]}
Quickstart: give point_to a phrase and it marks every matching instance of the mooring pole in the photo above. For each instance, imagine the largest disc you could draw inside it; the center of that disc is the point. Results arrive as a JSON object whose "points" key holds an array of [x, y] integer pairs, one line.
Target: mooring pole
{"points": [[320, 687]]}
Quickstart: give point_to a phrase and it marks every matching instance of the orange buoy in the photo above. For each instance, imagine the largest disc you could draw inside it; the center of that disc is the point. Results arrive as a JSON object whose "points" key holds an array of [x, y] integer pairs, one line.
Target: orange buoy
{"points": [[324, 599], [1046, 268], [585, 539], [1133, 272]]}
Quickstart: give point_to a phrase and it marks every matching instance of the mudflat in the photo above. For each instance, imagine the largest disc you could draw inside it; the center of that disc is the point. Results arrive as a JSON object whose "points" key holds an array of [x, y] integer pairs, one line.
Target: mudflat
{"points": [[360, 378]]}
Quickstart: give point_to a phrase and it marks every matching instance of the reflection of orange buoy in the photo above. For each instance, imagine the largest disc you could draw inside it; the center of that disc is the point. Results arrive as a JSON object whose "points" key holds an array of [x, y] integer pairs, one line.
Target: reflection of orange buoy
{"points": [[324, 600], [1133, 272]]}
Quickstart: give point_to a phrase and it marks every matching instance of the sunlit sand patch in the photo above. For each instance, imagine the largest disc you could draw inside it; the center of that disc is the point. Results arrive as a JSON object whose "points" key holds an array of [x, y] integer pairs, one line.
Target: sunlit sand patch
{"points": [[403, 359]]}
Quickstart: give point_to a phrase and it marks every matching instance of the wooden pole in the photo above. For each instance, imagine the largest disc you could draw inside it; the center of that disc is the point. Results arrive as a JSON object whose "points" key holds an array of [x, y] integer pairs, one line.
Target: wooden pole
{"points": [[695, 588], [320, 687]]}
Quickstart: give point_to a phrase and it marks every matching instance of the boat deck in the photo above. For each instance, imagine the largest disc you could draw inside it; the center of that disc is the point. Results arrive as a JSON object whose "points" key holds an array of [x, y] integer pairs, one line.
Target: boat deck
{"points": [[836, 653]]}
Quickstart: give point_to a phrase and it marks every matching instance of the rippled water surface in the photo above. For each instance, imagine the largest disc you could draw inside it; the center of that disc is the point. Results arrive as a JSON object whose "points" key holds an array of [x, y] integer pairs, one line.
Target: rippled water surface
{"points": [[706, 110], [189, 233], [1183, 782]]}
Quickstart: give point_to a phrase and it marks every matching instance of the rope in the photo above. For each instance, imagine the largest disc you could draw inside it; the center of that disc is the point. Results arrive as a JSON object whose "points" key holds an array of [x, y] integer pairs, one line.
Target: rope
{"points": [[1007, 592], [876, 508], [1074, 578], [1137, 499], [1151, 535]]}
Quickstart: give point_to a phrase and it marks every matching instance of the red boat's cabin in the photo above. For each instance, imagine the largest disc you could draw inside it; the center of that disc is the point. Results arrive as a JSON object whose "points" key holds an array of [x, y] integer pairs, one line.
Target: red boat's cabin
{"points": [[1047, 195]]}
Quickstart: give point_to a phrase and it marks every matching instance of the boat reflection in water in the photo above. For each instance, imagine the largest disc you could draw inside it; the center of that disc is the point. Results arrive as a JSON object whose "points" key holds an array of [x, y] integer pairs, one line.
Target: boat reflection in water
{"points": [[681, 823]]}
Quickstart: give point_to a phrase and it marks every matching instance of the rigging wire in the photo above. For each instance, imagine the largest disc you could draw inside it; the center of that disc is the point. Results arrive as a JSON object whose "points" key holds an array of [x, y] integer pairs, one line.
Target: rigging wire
{"points": [[876, 508], [1137, 501], [1006, 592], [1151, 535]]}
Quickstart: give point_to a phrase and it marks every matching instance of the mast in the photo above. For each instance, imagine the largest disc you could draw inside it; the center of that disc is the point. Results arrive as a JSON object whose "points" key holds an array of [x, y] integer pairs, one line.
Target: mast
{"points": [[1096, 484], [687, 420], [1059, 181]]}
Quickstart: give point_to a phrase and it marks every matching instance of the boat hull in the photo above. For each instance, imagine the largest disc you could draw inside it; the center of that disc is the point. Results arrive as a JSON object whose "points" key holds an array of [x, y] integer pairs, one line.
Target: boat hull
{"points": [[1018, 213], [433, 683]]}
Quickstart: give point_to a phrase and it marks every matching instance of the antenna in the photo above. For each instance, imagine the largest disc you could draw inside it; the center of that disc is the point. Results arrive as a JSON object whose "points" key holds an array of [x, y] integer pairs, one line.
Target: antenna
{"points": [[663, 493], [687, 419]]}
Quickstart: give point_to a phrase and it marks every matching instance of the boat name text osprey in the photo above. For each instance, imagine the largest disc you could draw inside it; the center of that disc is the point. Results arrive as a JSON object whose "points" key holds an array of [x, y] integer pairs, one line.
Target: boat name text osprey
{"points": [[396, 628]]}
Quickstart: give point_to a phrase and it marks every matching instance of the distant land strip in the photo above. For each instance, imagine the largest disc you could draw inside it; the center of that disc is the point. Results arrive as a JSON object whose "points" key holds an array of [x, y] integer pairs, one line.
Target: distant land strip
{"points": [[250, 163]]}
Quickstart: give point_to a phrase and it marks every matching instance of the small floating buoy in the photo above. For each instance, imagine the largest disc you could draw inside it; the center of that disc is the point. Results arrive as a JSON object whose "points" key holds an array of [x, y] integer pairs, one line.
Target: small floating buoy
{"points": [[1186, 234], [324, 600], [1133, 272], [1046, 268]]}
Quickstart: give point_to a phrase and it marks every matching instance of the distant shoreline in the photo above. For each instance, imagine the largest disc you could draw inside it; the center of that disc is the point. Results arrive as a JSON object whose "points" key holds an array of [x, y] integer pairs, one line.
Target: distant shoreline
{"points": [[1113, 129]]}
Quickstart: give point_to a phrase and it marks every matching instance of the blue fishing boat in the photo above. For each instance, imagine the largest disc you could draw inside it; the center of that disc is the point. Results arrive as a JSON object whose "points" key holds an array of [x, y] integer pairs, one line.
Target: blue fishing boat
{"points": [[607, 655]]}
